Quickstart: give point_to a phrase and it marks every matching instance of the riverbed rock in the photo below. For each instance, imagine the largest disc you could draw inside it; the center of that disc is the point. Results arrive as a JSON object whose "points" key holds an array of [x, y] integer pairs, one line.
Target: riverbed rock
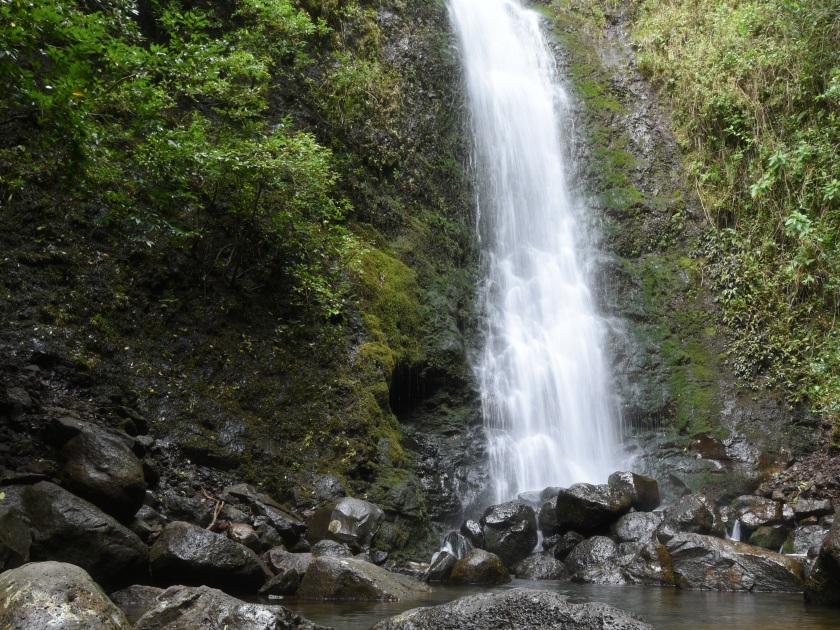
{"points": [[457, 544], [348, 520], [646, 563], [55, 595], [589, 509], [472, 531], [136, 596], [245, 535], [352, 579], [801, 539], [563, 547], [278, 560], [441, 567], [283, 583], [510, 531], [15, 538], [479, 567], [187, 554], [331, 549], [101, 468], [803, 508], [636, 526], [204, 608], [547, 518], [68, 529], [709, 563], [823, 583], [693, 513], [755, 512], [590, 553], [643, 491], [770, 537], [540, 566], [520, 608]]}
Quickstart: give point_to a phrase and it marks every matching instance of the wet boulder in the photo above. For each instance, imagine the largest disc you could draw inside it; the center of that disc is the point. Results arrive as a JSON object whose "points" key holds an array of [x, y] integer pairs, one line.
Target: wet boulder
{"points": [[564, 545], [68, 529], [805, 508], [479, 567], [187, 554], [15, 539], [283, 583], [547, 518], [520, 608], [510, 531], [823, 584], [645, 563], [801, 539], [348, 520], [205, 608], [101, 468], [472, 531], [245, 535], [755, 512], [138, 597], [693, 513], [589, 509], [592, 552], [331, 549], [279, 560], [56, 595], [770, 537], [636, 526], [709, 563], [457, 544], [540, 566], [643, 491], [441, 567], [352, 579]]}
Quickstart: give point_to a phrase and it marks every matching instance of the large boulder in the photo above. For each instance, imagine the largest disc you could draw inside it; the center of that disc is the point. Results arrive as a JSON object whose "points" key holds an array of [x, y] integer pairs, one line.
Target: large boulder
{"points": [[187, 554], [204, 608], [590, 553], [693, 513], [15, 539], [353, 579], [547, 518], [101, 468], [520, 608], [564, 544], [280, 560], [348, 520], [804, 508], [68, 529], [770, 537], [709, 563], [55, 595], [457, 544], [589, 509], [755, 512], [540, 566], [441, 567], [636, 526], [479, 567], [802, 539], [643, 491], [823, 584], [645, 563], [510, 531], [285, 522]]}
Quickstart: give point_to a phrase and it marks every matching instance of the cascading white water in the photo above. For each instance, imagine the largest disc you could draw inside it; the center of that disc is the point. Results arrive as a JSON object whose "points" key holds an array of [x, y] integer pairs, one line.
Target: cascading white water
{"points": [[548, 407]]}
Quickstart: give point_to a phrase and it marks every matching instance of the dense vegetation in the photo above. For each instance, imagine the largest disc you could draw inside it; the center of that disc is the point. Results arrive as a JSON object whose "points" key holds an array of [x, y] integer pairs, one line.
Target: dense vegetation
{"points": [[755, 89]]}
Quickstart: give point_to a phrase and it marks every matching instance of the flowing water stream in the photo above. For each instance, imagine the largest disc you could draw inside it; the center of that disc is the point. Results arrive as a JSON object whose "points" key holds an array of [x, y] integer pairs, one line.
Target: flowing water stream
{"points": [[549, 409]]}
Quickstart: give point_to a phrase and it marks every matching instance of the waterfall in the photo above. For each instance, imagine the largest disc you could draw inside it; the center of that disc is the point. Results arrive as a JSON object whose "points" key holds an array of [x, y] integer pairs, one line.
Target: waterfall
{"points": [[549, 409]]}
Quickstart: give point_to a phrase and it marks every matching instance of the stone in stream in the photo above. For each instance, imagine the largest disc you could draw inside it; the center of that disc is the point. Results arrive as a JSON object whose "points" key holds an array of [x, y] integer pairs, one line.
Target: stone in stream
{"points": [[709, 563], [101, 468], [331, 549], [589, 509], [693, 513], [547, 518], [15, 538], [590, 553], [204, 608], [245, 535], [643, 491], [510, 531], [564, 545], [479, 567], [755, 512], [472, 531], [645, 563], [540, 566], [279, 560], [352, 579], [68, 529], [520, 608], [803, 508], [636, 526], [284, 583], [55, 595], [770, 537], [441, 567], [350, 521], [801, 539], [137, 597], [187, 554], [823, 583]]}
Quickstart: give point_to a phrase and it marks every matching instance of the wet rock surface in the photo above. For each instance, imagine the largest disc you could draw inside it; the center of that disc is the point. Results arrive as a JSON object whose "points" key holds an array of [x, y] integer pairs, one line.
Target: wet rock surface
{"points": [[643, 491], [187, 554], [55, 595], [350, 521], [823, 583], [520, 608], [204, 608], [589, 509], [694, 513], [591, 553], [510, 531], [540, 566], [352, 579], [636, 526], [479, 567]]}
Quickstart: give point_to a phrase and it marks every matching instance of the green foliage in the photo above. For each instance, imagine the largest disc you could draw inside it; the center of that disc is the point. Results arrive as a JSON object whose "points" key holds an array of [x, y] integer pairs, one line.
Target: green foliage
{"points": [[754, 85]]}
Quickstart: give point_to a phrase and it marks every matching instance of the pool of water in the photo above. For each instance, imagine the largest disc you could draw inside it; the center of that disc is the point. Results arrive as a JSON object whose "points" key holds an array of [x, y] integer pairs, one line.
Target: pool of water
{"points": [[664, 608]]}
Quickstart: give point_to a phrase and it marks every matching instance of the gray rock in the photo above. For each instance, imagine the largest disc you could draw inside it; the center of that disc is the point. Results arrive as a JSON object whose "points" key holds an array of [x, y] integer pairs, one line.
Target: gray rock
{"points": [[693, 513], [245, 535], [823, 583], [568, 541], [352, 579], [279, 560], [331, 549], [99, 467], [510, 531], [547, 518], [803, 508], [137, 596], [801, 539], [770, 537], [55, 595], [198, 511], [68, 529], [755, 512], [457, 544], [589, 509], [520, 608], [636, 526], [441, 567], [269, 537], [472, 531], [350, 521], [590, 553], [540, 566], [187, 554], [479, 567], [709, 563], [204, 608], [645, 563], [284, 583], [643, 491], [15, 539]]}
